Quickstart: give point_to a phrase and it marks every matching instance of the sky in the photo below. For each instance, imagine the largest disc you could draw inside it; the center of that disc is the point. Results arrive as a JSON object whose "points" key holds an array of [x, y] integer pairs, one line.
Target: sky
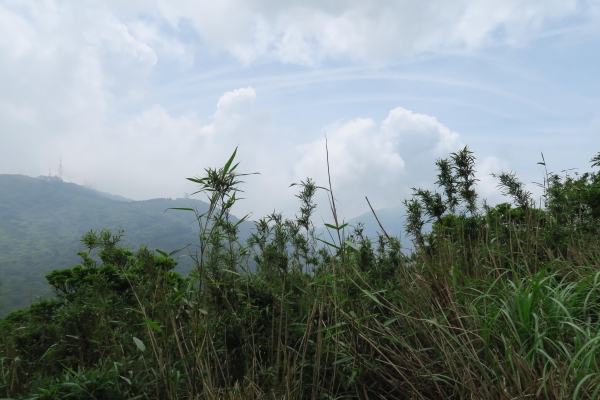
{"points": [[136, 96]]}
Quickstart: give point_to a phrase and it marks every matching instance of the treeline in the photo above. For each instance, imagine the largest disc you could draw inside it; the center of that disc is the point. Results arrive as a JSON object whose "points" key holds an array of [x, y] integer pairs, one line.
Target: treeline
{"points": [[495, 302]]}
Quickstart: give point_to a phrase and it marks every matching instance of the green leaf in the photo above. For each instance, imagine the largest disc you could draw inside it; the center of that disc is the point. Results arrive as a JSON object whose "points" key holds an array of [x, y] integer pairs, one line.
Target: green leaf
{"points": [[178, 250], [180, 208], [337, 228], [353, 245], [49, 351], [140, 345], [162, 253], [580, 384], [390, 321], [351, 379], [153, 325], [179, 297], [343, 360], [226, 168], [243, 219], [327, 243], [232, 272], [372, 296]]}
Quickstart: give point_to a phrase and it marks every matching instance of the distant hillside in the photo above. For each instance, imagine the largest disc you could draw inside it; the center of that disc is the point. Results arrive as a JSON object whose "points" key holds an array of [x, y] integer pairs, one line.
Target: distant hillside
{"points": [[42, 220], [392, 219]]}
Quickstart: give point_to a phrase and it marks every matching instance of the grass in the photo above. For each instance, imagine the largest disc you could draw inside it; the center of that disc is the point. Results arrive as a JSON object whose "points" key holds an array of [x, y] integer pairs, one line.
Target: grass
{"points": [[494, 303]]}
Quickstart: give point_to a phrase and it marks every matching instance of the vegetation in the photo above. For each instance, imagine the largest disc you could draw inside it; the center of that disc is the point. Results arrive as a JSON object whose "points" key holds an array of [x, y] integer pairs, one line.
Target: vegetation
{"points": [[42, 221], [497, 302]]}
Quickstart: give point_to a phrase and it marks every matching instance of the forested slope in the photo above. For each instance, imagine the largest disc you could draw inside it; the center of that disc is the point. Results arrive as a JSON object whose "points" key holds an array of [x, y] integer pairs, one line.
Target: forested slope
{"points": [[42, 221]]}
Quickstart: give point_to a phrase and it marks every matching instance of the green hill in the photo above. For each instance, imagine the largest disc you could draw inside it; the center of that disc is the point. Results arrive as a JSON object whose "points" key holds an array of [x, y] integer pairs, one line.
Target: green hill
{"points": [[43, 219]]}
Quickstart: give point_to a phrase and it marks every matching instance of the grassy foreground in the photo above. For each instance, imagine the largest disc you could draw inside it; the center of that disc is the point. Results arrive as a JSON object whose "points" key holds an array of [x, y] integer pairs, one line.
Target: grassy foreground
{"points": [[495, 302]]}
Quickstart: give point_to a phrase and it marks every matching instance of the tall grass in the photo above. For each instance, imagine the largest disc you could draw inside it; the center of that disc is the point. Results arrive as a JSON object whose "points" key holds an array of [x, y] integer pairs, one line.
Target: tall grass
{"points": [[497, 303]]}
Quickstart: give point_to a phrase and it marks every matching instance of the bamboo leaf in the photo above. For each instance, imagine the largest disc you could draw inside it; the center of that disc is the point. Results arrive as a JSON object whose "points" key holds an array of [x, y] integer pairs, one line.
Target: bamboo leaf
{"points": [[152, 324], [178, 250], [353, 245], [351, 379], [162, 253], [228, 164], [343, 360], [327, 243], [371, 295], [232, 272], [337, 228], [140, 345], [180, 208]]}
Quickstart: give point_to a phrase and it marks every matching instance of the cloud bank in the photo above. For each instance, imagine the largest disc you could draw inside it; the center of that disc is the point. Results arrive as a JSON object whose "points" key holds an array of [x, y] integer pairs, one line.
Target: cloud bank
{"points": [[77, 78], [380, 160], [311, 31]]}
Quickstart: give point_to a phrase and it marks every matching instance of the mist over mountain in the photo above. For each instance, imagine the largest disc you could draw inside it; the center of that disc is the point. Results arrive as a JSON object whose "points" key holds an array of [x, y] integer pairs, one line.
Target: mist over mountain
{"points": [[42, 220]]}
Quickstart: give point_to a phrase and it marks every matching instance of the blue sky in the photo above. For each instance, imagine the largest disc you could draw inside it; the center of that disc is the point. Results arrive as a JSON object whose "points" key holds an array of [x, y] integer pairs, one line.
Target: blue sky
{"points": [[135, 96]]}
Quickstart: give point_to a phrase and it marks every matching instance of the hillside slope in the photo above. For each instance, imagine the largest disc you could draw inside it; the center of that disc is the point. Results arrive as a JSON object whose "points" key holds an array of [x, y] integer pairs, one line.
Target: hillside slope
{"points": [[42, 220]]}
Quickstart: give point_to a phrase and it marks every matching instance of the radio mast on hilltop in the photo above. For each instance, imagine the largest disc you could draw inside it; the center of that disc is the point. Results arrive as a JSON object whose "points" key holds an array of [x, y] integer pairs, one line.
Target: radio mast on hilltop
{"points": [[60, 169]]}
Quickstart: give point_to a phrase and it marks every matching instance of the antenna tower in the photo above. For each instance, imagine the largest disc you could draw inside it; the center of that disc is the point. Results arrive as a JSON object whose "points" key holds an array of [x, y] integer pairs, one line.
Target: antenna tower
{"points": [[60, 169]]}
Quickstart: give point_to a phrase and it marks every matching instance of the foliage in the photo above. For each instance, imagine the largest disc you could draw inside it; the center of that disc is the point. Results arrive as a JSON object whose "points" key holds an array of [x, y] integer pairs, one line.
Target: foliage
{"points": [[494, 303]]}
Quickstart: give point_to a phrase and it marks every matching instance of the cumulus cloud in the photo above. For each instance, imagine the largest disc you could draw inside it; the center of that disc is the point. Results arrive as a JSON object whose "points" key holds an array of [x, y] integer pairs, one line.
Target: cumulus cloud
{"points": [[157, 150], [380, 161]]}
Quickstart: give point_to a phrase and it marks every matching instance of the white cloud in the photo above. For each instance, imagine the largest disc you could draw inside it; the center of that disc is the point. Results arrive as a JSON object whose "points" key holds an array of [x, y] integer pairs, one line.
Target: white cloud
{"points": [[150, 154], [309, 32], [487, 187], [73, 75], [162, 44], [158, 150], [381, 162], [67, 68]]}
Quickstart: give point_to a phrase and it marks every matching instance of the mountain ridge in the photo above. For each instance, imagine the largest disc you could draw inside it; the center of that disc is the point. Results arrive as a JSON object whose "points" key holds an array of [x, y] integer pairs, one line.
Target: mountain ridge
{"points": [[42, 221]]}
